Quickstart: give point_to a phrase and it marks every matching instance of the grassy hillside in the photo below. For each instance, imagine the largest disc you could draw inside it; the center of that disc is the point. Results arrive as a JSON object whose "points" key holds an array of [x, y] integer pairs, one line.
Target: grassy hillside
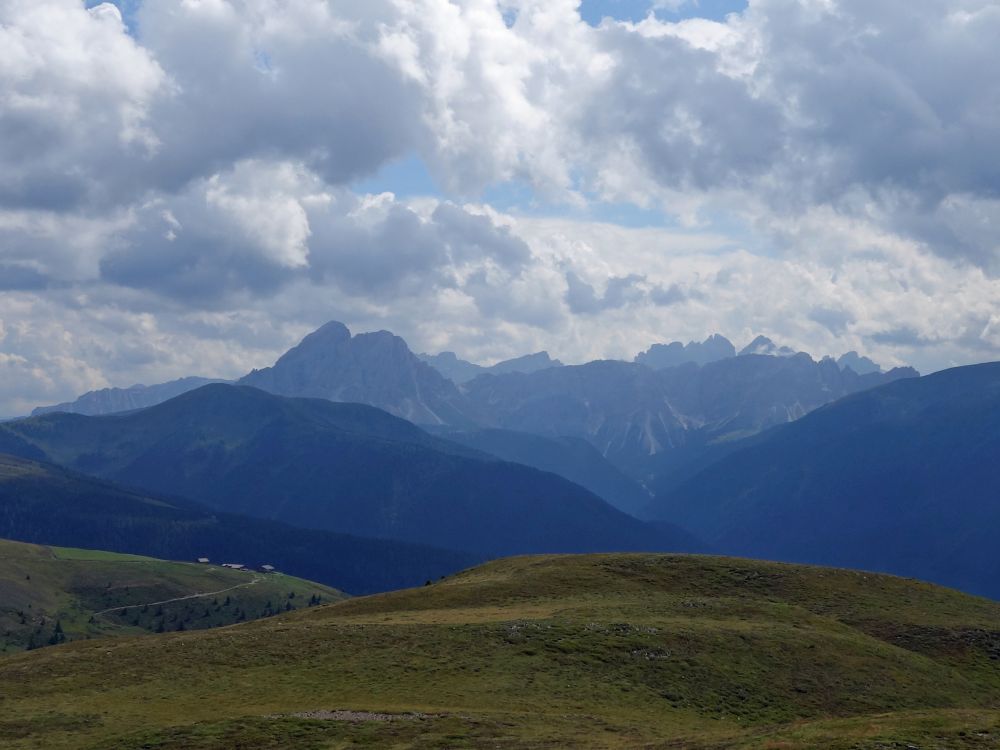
{"points": [[576, 651], [50, 595]]}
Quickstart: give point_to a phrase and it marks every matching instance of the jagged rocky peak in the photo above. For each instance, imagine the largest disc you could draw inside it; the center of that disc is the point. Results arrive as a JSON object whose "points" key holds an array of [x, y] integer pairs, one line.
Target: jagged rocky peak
{"points": [[384, 341], [860, 365], [332, 331], [764, 346], [324, 341], [333, 345], [662, 356], [375, 368]]}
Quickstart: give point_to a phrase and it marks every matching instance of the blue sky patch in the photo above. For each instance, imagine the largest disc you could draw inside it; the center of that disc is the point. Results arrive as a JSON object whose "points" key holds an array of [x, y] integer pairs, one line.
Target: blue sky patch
{"points": [[635, 10], [406, 178]]}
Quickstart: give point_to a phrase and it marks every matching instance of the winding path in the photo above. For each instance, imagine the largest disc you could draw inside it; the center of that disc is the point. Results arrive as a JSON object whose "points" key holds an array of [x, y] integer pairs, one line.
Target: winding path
{"points": [[257, 579]]}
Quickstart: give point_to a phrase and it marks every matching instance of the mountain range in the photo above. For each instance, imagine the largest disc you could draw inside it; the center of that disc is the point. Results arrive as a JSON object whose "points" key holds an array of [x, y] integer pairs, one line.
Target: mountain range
{"points": [[634, 415], [343, 467], [638, 417], [370, 368], [652, 419], [460, 371], [765, 453], [901, 478], [572, 458], [662, 356], [113, 400]]}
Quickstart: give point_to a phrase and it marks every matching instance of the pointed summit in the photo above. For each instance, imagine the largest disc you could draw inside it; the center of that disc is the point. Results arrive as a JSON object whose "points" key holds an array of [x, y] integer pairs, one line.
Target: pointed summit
{"points": [[370, 368]]}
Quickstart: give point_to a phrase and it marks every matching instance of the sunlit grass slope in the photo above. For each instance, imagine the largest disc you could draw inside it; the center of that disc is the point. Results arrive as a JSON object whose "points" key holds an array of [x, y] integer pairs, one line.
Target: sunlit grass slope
{"points": [[575, 651], [49, 595]]}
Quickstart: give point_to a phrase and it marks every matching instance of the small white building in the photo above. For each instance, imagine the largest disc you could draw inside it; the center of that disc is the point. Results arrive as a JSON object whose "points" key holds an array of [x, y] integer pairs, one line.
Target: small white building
{"points": [[204, 560], [267, 568], [234, 566]]}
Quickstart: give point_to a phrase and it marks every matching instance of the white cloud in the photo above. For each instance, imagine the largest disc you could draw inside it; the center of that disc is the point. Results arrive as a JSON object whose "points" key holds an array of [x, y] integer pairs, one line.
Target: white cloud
{"points": [[257, 205], [75, 93], [177, 199]]}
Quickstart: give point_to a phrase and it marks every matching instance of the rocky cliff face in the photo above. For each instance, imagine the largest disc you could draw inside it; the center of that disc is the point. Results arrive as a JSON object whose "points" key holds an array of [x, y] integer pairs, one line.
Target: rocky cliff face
{"points": [[632, 413], [621, 408], [370, 368]]}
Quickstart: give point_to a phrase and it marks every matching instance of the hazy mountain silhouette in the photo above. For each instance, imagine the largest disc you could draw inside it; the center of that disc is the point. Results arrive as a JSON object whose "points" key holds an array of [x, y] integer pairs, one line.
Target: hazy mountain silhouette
{"points": [[344, 467], [902, 478], [640, 418], [653, 421], [460, 371], [712, 349], [370, 368], [46, 504], [113, 400], [572, 458]]}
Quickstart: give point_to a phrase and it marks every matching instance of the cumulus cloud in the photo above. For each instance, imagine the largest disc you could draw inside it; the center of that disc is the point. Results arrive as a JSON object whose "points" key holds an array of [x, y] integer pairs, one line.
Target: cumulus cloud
{"points": [[850, 104], [178, 192], [876, 109], [301, 80], [75, 95], [619, 291], [263, 225], [880, 111]]}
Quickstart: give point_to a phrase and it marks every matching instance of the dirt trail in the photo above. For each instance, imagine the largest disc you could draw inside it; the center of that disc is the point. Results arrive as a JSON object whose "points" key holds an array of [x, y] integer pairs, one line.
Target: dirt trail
{"points": [[257, 579]]}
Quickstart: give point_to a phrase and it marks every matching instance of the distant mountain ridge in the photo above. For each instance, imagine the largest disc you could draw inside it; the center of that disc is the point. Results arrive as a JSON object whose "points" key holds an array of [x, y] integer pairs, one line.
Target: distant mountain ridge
{"points": [[674, 400], [634, 415], [460, 371], [379, 369], [662, 356], [569, 457], [343, 467], [903, 478], [113, 400], [369, 368]]}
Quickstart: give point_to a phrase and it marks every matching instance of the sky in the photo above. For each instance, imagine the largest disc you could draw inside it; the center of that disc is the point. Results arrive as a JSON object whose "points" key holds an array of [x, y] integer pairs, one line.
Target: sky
{"points": [[190, 186]]}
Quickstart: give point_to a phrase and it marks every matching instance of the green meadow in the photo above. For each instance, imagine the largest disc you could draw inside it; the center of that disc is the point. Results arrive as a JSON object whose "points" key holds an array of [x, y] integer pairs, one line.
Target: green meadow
{"points": [[53, 595], [597, 651]]}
